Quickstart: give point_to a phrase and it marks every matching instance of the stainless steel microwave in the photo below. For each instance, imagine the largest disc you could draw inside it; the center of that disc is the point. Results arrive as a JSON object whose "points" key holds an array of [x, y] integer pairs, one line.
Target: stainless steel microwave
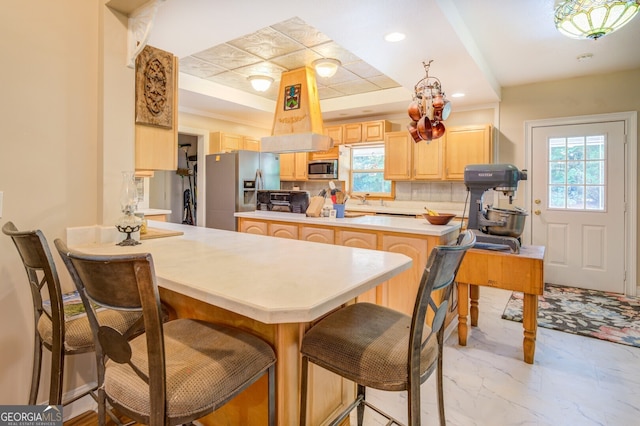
{"points": [[322, 169]]}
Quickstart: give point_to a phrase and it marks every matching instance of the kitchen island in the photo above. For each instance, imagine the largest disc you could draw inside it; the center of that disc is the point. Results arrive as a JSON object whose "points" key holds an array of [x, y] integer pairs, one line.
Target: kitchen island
{"points": [[409, 236], [275, 288]]}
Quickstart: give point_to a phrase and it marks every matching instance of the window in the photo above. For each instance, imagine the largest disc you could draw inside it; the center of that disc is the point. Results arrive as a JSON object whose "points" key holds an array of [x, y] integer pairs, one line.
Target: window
{"points": [[577, 173], [367, 171]]}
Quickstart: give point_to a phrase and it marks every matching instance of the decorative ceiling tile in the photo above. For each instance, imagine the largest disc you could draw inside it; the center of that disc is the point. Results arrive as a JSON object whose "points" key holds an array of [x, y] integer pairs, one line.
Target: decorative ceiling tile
{"points": [[263, 68], [285, 46], [199, 68], [355, 87], [267, 43], [297, 59], [227, 56], [362, 69], [335, 51], [301, 32], [383, 82]]}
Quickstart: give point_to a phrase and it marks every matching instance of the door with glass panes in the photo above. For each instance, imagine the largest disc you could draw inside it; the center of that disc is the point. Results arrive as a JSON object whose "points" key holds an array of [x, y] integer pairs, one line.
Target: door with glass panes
{"points": [[577, 203]]}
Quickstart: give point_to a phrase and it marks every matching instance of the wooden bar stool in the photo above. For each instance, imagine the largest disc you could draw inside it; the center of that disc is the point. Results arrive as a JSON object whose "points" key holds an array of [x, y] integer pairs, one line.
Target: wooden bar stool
{"points": [[175, 372], [57, 329], [378, 347]]}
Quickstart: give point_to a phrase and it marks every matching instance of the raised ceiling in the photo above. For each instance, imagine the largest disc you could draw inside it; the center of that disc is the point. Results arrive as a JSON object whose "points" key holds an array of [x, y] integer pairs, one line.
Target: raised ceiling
{"points": [[478, 47]]}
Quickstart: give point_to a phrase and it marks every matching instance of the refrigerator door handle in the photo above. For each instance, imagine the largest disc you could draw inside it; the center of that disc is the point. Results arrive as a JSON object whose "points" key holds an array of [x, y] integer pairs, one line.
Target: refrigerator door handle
{"points": [[259, 180]]}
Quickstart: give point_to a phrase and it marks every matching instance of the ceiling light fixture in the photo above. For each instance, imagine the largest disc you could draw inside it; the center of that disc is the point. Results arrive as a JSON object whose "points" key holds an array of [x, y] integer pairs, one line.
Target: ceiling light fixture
{"points": [[394, 37], [592, 19], [260, 83], [326, 67]]}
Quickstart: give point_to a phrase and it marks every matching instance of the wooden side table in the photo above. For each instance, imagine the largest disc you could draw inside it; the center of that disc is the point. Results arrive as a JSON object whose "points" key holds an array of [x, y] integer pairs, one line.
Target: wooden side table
{"points": [[517, 272]]}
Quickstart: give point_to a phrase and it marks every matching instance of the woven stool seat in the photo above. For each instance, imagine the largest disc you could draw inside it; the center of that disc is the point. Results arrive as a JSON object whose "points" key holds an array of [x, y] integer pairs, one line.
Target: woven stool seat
{"points": [[205, 364], [376, 356], [377, 347]]}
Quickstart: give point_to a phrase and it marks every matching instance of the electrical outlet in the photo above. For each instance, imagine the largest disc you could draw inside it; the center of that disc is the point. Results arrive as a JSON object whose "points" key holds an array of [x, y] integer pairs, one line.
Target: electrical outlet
{"points": [[1, 196]]}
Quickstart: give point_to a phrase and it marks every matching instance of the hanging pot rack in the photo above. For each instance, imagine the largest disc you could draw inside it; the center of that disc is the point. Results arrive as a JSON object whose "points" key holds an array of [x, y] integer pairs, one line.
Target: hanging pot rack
{"points": [[428, 109]]}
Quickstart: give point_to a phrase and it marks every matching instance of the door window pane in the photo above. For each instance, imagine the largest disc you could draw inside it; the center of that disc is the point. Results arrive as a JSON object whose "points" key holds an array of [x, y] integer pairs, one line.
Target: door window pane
{"points": [[577, 173]]}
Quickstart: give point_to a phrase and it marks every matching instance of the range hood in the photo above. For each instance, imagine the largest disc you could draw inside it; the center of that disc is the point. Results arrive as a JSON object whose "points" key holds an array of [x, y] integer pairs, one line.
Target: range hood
{"points": [[297, 124]]}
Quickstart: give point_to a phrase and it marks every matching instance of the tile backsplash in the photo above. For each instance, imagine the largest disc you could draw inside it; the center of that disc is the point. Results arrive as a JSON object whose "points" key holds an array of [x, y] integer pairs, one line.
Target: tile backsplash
{"points": [[455, 192], [431, 191]]}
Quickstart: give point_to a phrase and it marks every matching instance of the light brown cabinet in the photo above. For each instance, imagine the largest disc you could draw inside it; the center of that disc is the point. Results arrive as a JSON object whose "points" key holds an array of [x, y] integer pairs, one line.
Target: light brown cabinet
{"points": [[317, 235], [335, 133], [283, 230], [331, 154], [224, 142], [399, 292], [250, 144], [418, 250], [466, 145], [256, 227], [374, 131], [363, 240], [156, 148], [397, 156], [351, 133], [440, 159], [293, 166]]}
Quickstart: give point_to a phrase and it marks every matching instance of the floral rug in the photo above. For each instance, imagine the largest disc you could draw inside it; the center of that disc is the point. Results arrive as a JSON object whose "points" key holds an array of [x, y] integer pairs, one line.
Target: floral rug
{"points": [[606, 316]]}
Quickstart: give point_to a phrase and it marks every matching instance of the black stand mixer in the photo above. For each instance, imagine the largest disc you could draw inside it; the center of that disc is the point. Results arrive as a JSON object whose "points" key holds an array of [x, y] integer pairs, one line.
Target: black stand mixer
{"points": [[494, 228]]}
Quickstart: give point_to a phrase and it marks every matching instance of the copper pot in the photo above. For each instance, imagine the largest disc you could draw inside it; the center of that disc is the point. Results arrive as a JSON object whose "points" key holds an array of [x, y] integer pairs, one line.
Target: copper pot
{"points": [[413, 130], [437, 130], [438, 102], [424, 128], [414, 111]]}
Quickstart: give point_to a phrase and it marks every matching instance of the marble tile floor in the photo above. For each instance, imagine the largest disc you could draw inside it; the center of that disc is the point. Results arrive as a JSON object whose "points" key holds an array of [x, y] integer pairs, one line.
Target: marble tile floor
{"points": [[574, 381]]}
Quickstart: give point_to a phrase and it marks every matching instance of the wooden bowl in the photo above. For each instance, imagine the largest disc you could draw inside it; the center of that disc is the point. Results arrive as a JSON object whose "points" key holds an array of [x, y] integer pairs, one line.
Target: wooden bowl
{"points": [[441, 219]]}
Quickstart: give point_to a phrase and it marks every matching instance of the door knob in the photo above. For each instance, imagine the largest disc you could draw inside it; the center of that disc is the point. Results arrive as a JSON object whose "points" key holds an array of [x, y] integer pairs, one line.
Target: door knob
{"points": [[537, 212], [537, 201]]}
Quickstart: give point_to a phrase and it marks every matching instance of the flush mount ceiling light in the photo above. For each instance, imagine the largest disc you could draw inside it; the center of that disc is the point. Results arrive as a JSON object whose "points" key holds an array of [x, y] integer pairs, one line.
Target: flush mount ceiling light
{"points": [[326, 67], [394, 37], [592, 19], [260, 83]]}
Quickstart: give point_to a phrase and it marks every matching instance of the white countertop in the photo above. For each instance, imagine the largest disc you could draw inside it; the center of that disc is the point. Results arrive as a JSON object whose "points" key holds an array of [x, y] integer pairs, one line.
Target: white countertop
{"points": [[371, 222], [272, 280], [149, 212]]}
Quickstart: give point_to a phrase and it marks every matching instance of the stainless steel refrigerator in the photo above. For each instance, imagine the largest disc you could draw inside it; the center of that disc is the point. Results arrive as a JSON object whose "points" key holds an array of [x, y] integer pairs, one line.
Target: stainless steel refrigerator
{"points": [[232, 181]]}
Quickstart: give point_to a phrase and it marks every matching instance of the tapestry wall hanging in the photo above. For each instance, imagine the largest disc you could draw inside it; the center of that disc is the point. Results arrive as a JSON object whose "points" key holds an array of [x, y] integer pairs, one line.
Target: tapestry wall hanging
{"points": [[154, 87]]}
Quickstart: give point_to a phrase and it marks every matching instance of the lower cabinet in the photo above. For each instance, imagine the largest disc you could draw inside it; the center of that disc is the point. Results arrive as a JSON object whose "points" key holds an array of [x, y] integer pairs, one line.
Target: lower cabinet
{"points": [[253, 227], [317, 235], [365, 240], [408, 281], [399, 292]]}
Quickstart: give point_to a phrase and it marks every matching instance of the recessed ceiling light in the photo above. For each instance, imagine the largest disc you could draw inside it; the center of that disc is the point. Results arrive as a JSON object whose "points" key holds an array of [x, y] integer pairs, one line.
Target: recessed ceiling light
{"points": [[394, 37], [457, 95]]}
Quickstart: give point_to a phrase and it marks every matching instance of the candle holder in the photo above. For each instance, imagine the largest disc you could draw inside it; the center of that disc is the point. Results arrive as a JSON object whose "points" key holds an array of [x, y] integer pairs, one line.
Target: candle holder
{"points": [[129, 223]]}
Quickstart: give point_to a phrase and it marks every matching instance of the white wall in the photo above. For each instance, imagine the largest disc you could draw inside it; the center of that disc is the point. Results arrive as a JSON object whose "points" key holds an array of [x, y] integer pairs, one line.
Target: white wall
{"points": [[67, 133]]}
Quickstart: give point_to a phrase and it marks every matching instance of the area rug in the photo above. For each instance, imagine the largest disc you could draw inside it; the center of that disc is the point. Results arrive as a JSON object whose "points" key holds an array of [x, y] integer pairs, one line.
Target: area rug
{"points": [[606, 316]]}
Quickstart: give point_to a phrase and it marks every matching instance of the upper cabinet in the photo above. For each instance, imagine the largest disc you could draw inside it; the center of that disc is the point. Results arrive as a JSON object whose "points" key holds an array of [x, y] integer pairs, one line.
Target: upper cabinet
{"points": [[466, 145], [156, 117], [335, 133], [368, 131], [227, 142], [293, 166], [374, 131], [440, 159], [351, 133]]}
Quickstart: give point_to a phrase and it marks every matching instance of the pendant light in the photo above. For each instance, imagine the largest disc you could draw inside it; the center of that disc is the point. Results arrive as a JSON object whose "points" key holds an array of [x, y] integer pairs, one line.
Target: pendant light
{"points": [[592, 19]]}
